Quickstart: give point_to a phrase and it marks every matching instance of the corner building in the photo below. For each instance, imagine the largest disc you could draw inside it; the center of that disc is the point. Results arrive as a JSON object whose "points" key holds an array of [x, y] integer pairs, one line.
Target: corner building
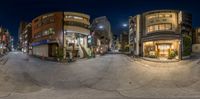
{"points": [[163, 34], [66, 30]]}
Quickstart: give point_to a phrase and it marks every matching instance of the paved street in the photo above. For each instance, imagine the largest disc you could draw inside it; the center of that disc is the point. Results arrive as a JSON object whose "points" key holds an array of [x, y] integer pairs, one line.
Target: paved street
{"points": [[105, 77]]}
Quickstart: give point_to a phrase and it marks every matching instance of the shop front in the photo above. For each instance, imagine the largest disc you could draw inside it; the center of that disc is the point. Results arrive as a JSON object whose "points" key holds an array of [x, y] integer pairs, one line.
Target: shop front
{"points": [[76, 43], [162, 49]]}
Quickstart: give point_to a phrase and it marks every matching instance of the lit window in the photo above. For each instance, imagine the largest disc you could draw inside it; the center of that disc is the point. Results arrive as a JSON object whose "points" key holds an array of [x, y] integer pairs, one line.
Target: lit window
{"points": [[45, 33], [151, 17], [150, 29], [168, 15], [69, 16], [168, 26], [76, 17], [198, 30], [161, 27], [156, 27], [51, 31], [161, 15]]}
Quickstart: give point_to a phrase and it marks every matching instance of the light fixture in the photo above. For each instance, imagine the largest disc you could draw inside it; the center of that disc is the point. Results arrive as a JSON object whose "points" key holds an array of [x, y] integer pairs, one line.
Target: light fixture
{"points": [[101, 27]]}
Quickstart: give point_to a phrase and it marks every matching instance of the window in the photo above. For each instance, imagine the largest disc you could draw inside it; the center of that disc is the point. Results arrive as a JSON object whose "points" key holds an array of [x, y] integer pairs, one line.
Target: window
{"points": [[168, 26], [162, 27], [151, 29], [164, 20], [168, 15], [38, 35], [78, 24], [26, 36], [156, 27], [161, 15], [69, 16], [52, 19], [159, 27], [76, 17], [151, 17], [51, 31], [158, 15], [45, 33]]}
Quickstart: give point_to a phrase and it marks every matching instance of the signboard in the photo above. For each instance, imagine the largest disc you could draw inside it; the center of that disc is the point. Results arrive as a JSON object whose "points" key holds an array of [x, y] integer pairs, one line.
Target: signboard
{"points": [[40, 43]]}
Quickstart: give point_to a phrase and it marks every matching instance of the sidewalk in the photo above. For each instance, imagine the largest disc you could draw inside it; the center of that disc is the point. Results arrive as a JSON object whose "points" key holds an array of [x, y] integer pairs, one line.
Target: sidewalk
{"points": [[126, 53], [160, 60], [3, 59]]}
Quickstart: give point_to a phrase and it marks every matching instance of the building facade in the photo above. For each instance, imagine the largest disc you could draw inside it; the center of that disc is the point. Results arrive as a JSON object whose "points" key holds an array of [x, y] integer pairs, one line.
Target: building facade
{"points": [[124, 41], [5, 41], [60, 31], [135, 35], [25, 35], [22, 25], [196, 40], [101, 30], [162, 34]]}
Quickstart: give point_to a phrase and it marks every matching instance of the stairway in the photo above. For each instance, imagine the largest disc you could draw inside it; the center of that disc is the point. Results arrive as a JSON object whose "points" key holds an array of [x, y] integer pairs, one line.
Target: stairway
{"points": [[85, 51]]}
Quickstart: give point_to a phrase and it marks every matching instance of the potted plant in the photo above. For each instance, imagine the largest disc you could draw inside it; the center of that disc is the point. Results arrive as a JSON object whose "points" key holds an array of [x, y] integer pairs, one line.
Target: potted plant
{"points": [[60, 54]]}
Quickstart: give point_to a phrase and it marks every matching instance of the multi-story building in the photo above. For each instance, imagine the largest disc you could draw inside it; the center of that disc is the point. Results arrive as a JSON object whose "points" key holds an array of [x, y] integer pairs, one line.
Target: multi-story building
{"points": [[25, 35], [162, 34], [67, 31], [101, 29], [135, 35], [5, 40], [124, 41], [22, 25], [196, 40], [196, 36]]}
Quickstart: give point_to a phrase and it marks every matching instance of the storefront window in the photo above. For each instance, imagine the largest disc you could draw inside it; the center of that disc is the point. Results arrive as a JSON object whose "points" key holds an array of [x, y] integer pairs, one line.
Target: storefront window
{"points": [[161, 49]]}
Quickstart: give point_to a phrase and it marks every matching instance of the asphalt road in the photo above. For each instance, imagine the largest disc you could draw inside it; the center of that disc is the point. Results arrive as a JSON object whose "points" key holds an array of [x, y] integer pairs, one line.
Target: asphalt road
{"points": [[105, 77]]}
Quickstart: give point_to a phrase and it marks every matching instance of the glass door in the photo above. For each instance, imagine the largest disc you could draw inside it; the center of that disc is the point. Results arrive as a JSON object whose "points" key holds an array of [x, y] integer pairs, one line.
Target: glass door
{"points": [[164, 50]]}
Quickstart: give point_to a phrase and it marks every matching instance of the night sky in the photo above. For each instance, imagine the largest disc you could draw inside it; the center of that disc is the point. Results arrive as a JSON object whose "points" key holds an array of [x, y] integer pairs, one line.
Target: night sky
{"points": [[117, 11]]}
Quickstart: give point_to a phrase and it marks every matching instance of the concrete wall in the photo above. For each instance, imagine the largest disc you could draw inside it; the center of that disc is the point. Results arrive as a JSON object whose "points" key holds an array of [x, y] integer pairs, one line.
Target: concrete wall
{"points": [[196, 48], [41, 50]]}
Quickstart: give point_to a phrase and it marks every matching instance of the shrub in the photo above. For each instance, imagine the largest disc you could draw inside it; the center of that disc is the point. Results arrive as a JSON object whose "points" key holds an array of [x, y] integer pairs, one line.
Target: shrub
{"points": [[187, 41]]}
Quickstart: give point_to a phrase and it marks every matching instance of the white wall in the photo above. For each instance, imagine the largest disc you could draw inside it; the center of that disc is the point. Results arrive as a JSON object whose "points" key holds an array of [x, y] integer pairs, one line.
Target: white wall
{"points": [[196, 48], [41, 50]]}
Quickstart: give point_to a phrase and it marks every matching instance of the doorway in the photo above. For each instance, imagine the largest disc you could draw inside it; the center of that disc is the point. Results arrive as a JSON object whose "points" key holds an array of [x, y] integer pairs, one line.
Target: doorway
{"points": [[163, 50]]}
